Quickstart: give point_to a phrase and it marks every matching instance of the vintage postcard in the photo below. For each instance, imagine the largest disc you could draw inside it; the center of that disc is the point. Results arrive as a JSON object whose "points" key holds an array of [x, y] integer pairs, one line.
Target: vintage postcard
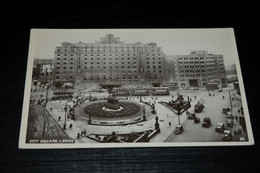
{"points": [[92, 88]]}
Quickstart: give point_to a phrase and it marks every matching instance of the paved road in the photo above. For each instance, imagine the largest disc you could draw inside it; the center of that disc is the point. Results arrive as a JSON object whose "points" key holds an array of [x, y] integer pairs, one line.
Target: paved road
{"points": [[213, 109]]}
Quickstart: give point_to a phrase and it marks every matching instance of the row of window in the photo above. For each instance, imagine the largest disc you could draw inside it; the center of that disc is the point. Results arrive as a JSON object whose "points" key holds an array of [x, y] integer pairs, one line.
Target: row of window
{"points": [[192, 75], [122, 49], [72, 55], [191, 66], [192, 71], [111, 78], [191, 62], [190, 58]]}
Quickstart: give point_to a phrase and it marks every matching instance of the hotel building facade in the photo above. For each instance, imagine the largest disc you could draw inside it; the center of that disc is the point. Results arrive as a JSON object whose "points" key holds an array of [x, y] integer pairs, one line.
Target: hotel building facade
{"points": [[199, 68], [109, 60]]}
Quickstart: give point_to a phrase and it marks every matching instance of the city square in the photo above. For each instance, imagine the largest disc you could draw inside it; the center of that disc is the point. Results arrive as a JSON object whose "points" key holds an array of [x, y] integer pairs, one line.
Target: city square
{"points": [[112, 91], [214, 101]]}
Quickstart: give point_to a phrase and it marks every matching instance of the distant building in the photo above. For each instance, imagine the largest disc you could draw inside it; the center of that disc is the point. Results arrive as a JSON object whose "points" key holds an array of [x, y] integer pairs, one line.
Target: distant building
{"points": [[109, 60], [199, 68], [42, 68]]}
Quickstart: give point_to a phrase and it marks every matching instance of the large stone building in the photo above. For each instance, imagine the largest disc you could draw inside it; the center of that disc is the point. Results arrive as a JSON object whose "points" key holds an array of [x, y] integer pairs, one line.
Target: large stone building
{"points": [[109, 60], [198, 69]]}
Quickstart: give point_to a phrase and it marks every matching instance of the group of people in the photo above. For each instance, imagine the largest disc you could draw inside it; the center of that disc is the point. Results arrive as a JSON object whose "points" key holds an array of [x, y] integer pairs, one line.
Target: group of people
{"points": [[81, 134]]}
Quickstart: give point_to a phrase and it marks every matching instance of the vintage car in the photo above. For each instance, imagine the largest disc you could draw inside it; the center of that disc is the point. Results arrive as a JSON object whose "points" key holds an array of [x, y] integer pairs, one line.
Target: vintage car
{"points": [[225, 110], [206, 122], [220, 127], [229, 122], [227, 136], [191, 116], [199, 107], [178, 129], [196, 120]]}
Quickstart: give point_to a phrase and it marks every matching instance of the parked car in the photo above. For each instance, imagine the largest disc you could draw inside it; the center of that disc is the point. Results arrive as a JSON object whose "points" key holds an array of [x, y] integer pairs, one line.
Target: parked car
{"points": [[196, 120], [229, 122], [227, 136], [229, 115], [225, 110], [206, 122], [220, 127], [178, 129]]}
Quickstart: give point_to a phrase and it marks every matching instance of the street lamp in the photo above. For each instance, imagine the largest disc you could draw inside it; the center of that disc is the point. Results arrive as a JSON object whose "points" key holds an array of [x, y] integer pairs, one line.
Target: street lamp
{"points": [[46, 98], [65, 118], [178, 112], [230, 100]]}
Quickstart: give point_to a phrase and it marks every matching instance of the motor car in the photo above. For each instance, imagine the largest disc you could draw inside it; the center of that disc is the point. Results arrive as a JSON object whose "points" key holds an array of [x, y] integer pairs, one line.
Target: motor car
{"points": [[191, 116], [229, 122], [206, 122], [199, 107], [196, 120], [220, 127], [227, 136], [178, 129], [229, 115]]}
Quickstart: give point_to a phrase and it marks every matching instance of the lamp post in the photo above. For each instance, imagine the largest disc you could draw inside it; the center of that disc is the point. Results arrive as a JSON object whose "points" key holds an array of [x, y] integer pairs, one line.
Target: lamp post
{"points": [[230, 100], [46, 97], [65, 118], [178, 113]]}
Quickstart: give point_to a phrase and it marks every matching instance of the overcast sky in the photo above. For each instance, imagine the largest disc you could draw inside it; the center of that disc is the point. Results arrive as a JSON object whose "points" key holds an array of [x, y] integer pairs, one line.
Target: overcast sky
{"points": [[172, 41]]}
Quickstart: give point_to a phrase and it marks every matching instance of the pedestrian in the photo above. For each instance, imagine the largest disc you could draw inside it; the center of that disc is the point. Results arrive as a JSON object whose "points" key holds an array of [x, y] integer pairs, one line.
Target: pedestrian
{"points": [[170, 123], [85, 132], [238, 110], [213, 94], [223, 97], [70, 126], [82, 132], [78, 136], [236, 118], [235, 133], [59, 118], [51, 108], [195, 97]]}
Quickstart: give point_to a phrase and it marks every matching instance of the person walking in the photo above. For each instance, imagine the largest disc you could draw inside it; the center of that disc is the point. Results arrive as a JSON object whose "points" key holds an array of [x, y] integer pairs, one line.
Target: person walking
{"points": [[70, 126], [78, 135], [82, 132], [85, 133]]}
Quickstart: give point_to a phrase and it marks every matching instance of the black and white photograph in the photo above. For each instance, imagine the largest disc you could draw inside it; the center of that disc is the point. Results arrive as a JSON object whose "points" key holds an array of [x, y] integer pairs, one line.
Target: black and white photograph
{"points": [[98, 88]]}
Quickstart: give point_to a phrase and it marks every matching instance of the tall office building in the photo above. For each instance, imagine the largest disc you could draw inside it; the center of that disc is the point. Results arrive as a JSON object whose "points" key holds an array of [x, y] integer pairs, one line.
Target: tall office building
{"points": [[109, 60], [199, 68]]}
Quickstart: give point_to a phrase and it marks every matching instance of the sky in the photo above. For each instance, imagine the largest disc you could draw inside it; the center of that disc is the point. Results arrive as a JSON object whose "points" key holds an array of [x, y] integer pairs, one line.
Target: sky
{"points": [[172, 41]]}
